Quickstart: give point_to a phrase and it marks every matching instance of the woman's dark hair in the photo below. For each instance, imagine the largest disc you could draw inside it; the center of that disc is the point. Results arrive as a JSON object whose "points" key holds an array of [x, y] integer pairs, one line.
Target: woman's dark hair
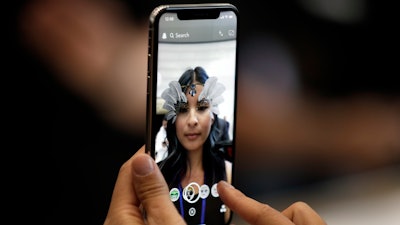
{"points": [[174, 167]]}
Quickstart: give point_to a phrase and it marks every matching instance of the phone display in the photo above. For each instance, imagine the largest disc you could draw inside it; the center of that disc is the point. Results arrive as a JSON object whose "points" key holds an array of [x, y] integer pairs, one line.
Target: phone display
{"points": [[191, 104]]}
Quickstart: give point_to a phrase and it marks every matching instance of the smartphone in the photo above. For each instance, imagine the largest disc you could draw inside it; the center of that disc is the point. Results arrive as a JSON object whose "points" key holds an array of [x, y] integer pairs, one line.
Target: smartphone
{"points": [[191, 104]]}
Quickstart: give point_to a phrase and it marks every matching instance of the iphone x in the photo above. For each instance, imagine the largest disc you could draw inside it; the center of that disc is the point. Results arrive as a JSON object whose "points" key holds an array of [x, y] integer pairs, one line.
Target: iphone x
{"points": [[191, 104]]}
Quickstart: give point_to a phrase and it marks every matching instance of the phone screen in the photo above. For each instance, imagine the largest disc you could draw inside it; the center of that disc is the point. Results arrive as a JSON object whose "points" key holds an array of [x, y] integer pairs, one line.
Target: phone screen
{"points": [[192, 104]]}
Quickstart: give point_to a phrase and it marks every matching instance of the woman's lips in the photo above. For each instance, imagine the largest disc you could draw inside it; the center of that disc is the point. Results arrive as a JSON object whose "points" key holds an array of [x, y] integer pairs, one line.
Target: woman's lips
{"points": [[192, 136]]}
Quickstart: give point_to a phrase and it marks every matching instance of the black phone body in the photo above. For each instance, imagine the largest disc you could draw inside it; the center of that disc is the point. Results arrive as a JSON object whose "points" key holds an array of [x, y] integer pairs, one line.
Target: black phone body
{"points": [[191, 104]]}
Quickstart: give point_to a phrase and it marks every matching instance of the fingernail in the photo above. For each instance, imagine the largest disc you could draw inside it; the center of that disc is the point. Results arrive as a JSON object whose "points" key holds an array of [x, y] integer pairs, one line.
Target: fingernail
{"points": [[225, 184], [143, 165]]}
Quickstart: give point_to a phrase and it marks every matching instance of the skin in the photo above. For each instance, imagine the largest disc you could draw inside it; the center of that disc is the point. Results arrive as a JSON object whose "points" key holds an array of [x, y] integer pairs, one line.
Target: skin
{"points": [[256, 213], [141, 186], [193, 125]]}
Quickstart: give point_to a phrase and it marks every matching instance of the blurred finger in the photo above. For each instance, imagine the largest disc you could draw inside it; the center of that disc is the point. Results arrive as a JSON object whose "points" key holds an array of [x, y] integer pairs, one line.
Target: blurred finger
{"points": [[301, 214], [250, 210]]}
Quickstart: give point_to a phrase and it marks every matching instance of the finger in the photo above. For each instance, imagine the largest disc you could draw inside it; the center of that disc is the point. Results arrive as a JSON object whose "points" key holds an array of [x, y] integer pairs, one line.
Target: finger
{"points": [[124, 206], [301, 214], [250, 210], [152, 191]]}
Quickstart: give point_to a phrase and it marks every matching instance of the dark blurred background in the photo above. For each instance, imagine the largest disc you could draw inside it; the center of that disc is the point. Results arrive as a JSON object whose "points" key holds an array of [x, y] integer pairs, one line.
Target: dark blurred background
{"points": [[319, 102]]}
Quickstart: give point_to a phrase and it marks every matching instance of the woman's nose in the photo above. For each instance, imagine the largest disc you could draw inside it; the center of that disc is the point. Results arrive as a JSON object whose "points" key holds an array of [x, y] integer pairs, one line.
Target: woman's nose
{"points": [[192, 118]]}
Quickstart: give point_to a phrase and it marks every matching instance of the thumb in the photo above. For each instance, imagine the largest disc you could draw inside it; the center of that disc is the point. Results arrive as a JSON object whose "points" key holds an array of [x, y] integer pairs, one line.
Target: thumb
{"points": [[152, 192]]}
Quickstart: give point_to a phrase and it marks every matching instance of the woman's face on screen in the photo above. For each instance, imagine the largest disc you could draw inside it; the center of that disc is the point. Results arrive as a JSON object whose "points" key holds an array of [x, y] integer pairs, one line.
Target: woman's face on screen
{"points": [[193, 121]]}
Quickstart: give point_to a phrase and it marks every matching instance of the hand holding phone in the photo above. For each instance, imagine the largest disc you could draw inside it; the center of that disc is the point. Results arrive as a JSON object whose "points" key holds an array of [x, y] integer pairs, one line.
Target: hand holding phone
{"points": [[192, 79]]}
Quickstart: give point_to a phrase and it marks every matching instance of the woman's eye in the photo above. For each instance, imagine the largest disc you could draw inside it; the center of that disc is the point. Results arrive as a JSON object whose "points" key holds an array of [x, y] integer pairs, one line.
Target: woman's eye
{"points": [[203, 105], [202, 108], [183, 108]]}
